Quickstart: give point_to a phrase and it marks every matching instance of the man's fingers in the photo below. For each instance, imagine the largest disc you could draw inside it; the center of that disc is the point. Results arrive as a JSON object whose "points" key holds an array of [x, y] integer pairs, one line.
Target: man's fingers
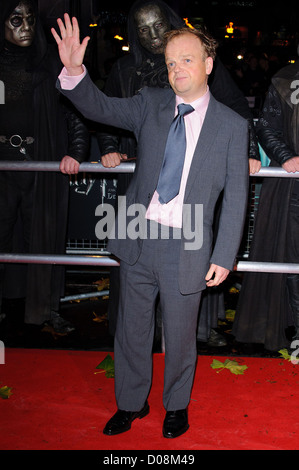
{"points": [[61, 28], [68, 25], [216, 275], [85, 41], [69, 165], [56, 36], [76, 30], [254, 166], [209, 274]]}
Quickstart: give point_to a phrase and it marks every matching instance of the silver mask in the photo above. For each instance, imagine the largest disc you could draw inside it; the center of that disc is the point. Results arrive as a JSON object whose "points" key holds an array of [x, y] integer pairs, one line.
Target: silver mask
{"points": [[20, 25]]}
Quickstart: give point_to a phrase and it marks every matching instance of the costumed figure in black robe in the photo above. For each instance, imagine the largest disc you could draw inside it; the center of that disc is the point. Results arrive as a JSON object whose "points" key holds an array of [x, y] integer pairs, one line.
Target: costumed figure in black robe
{"points": [[269, 302], [148, 20], [35, 125]]}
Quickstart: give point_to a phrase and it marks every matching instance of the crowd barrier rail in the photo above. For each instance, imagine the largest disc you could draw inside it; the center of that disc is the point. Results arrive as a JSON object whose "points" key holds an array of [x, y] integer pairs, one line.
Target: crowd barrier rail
{"points": [[94, 260]]}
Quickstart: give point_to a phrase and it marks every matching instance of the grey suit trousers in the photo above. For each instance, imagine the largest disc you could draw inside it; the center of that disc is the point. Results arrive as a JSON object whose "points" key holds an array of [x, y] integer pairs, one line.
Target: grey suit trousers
{"points": [[156, 271]]}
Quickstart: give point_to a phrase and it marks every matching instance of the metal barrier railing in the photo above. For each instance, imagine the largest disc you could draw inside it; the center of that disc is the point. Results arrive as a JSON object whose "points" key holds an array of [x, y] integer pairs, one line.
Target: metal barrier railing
{"points": [[72, 260], [128, 167], [85, 167], [82, 260]]}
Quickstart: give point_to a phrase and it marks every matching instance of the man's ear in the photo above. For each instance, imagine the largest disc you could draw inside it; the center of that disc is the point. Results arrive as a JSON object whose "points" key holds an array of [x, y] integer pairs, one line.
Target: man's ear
{"points": [[209, 65]]}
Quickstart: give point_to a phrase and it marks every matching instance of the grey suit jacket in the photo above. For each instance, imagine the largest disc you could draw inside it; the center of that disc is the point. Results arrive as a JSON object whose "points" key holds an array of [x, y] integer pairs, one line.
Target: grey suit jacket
{"points": [[220, 163]]}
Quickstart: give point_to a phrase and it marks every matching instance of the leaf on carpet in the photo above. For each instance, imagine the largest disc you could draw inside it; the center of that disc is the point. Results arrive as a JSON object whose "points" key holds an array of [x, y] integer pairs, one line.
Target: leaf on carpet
{"points": [[5, 392], [233, 366], [284, 353], [107, 366]]}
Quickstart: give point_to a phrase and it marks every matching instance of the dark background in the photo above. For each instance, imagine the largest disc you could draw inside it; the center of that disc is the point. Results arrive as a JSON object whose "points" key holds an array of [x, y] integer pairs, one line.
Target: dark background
{"points": [[266, 20]]}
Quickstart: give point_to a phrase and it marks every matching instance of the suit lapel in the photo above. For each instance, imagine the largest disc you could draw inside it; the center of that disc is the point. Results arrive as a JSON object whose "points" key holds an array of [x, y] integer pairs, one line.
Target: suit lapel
{"points": [[207, 136]]}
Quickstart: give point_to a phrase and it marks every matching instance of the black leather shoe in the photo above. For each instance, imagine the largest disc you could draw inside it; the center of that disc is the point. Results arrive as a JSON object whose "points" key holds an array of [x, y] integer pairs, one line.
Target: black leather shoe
{"points": [[175, 423], [121, 421], [58, 325], [216, 340]]}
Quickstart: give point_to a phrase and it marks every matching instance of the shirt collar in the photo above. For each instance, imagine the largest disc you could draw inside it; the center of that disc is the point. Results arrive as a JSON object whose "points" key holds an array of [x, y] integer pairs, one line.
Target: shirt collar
{"points": [[200, 104]]}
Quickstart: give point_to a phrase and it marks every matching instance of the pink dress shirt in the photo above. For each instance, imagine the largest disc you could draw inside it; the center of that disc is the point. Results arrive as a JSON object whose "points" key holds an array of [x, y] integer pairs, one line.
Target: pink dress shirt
{"points": [[171, 214]]}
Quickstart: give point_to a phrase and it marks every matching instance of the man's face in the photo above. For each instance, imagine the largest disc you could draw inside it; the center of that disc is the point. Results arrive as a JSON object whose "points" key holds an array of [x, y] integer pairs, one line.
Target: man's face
{"points": [[187, 66], [151, 25], [20, 25]]}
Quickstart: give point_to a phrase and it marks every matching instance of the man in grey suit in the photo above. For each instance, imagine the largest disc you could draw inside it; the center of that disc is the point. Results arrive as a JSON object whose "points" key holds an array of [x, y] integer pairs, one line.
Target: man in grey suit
{"points": [[169, 251]]}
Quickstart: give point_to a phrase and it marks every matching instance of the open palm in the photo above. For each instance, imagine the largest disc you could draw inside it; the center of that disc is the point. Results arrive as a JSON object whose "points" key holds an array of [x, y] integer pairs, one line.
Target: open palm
{"points": [[71, 51]]}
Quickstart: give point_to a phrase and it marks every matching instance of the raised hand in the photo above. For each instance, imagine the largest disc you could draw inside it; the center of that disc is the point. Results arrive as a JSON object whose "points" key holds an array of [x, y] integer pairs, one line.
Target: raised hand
{"points": [[70, 50]]}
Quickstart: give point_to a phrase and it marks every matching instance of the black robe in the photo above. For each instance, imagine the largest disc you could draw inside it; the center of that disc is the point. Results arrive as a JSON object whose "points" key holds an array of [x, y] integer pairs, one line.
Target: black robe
{"points": [[263, 312], [58, 131]]}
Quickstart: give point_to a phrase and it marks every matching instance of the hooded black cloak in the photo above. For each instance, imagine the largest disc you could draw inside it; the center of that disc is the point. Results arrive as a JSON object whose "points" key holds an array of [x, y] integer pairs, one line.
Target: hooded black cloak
{"points": [[57, 132], [263, 312]]}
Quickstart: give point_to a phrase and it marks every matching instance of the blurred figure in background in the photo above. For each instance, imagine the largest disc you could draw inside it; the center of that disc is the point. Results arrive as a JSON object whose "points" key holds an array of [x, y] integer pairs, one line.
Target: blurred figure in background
{"points": [[269, 303]]}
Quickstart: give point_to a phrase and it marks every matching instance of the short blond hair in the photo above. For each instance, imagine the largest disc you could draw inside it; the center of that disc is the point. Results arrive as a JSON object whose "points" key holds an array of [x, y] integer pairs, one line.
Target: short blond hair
{"points": [[209, 43]]}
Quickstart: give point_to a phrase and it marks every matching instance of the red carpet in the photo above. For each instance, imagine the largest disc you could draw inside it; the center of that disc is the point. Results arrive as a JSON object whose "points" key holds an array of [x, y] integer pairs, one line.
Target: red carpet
{"points": [[59, 403]]}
